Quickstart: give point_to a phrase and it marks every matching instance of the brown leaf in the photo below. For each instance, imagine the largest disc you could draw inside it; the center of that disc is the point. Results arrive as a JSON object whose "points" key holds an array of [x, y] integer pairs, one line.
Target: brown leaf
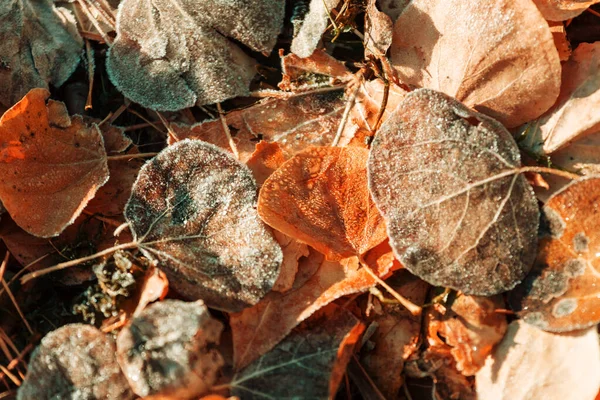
{"points": [[320, 69], [75, 361], [561, 292], [393, 8], [167, 350], [320, 197], [48, 162], [292, 250], [258, 329], [561, 10], [311, 26], [265, 160], [154, 286], [179, 55], [193, 209], [496, 56], [559, 34], [444, 179], [309, 363], [448, 382], [378, 31], [471, 327], [40, 46], [565, 366], [397, 335], [574, 114]]}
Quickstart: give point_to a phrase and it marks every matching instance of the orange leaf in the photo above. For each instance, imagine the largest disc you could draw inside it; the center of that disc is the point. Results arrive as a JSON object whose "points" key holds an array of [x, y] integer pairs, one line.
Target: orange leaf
{"points": [[51, 165], [320, 197], [560, 10]]}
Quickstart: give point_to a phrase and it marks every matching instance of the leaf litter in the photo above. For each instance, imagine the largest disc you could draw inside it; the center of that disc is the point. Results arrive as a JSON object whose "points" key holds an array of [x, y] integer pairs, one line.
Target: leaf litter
{"points": [[300, 218]]}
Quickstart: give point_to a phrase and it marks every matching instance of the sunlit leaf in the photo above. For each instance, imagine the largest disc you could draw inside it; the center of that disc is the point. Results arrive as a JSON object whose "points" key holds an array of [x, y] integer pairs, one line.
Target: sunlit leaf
{"points": [[312, 25], [560, 10]]}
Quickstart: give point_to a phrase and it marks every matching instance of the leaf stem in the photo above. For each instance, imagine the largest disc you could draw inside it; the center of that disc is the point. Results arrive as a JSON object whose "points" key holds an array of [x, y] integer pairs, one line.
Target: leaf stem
{"points": [[552, 171], [77, 261], [130, 156], [232, 145], [349, 106]]}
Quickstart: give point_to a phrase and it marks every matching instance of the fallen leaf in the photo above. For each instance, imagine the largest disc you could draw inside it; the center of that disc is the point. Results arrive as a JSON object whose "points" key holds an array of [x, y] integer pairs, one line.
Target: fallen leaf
{"points": [[320, 197], [169, 56], [378, 31], [448, 383], [193, 209], [320, 69], [574, 114], [48, 161], [265, 160], [256, 330], [310, 362], [40, 47], [393, 8], [167, 350], [561, 292], [496, 56], [292, 250], [154, 286], [582, 155], [559, 34], [470, 327], [561, 10], [444, 179], [397, 335], [566, 366], [75, 361], [312, 26]]}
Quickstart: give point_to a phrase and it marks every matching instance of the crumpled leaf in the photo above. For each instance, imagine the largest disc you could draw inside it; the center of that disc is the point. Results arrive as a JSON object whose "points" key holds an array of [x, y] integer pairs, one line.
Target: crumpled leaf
{"points": [[448, 383], [295, 124], [168, 350], [320, 69], [496, 56], [443, 178], [193, 208], [312, 26], [561, 293], [566, 366], [169, 56], [320, 197], [575, 112], [397, 335], [256, 330], [48, 161], [292, 250], [309, 364], [559, 34], [471, 327], [74, 362], [40, 47], [561, 10], [378, 31]]}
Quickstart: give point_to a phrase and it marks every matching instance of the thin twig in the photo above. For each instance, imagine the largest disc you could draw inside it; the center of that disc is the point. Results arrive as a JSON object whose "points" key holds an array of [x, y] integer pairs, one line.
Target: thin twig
{"points": [[227, 131], [91, 69], [552, 171], [349, 105], [167, 125], [594, 12], [10, 376], [137, 114], [130, 156], [280, 94], [92, 19], [10, 295], [23, 270]]}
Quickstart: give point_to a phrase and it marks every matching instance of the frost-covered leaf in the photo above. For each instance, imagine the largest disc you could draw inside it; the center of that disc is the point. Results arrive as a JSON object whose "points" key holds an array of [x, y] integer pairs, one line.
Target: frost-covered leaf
{"points": [[258, 329], [40, 47], [173, 55], [74, 362], [168, 350], [320, 69], [532, 364], [378, 31], [312, 25], [457, 213], [575, 112], [496, 56], [51, 165], [321, 198], [193, 208], [309, 364], [562, 292], [560, 10]]}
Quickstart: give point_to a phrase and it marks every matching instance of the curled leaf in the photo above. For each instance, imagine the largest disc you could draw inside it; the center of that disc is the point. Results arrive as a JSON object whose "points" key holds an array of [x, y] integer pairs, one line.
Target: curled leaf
{"points": [[312, 25], [561, 293], [40, 47], [48, 161], [496, 56], [169, 56], [193, 208], [560, 10], [320, 197], [445, 180]]}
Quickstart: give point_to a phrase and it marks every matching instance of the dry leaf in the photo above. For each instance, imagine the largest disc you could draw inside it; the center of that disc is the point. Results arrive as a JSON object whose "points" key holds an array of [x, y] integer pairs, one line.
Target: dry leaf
{"points": [[496, 56], [320, 69], [397, 335], [292, 250], [309, 364], [575, 112], [378, 31], [168, 350], [393, 8], [193, 209], [73, 362], [265, 160], [320, 197], [443, 177], [561, 293], [559, 34], [169, 56], [581, 155], [566, 366], [154, 286], [471, 327], [561, 10], [40, 47], [312, 25], [448, 383], [48, 161], [258, 329]]}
